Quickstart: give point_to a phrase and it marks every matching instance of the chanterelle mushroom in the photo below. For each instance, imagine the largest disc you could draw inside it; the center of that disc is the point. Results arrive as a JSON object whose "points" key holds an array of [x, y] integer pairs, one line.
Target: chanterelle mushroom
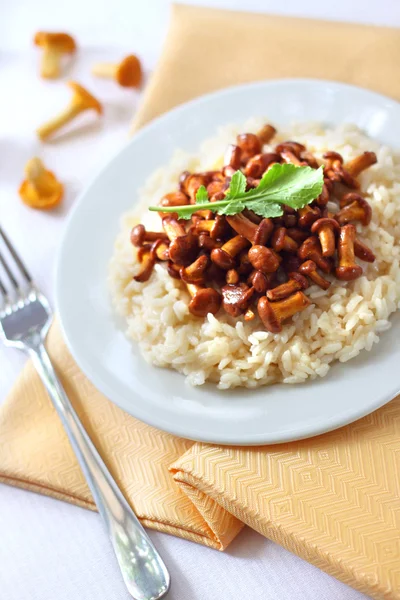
{"points": [[40, 189], [127, 73], [81, 100], [54, 45]]}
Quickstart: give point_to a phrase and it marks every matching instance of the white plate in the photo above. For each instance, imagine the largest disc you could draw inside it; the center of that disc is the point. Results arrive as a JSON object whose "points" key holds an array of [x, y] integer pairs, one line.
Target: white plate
{"points": [[160, 397]]}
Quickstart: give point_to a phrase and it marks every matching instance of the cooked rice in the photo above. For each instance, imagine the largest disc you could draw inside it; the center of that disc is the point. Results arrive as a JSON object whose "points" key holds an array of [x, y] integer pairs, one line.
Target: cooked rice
{"points": [[230, 352]]}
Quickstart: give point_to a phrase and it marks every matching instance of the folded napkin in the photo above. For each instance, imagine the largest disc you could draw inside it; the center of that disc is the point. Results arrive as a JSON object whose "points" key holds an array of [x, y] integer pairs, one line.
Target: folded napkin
{"points": [[332, 499]]}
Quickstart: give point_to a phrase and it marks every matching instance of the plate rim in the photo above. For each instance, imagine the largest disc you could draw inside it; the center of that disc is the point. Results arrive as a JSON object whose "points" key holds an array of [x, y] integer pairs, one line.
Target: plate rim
{"points": [[102, 386]]}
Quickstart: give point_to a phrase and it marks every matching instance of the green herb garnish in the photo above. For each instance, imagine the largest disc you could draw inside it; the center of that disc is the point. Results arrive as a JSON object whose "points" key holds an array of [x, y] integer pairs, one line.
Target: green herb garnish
{"points": [[282, 184]]}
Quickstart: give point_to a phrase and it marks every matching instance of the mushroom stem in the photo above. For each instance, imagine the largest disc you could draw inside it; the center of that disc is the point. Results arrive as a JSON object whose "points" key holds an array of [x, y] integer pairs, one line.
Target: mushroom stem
{"points": [[327, 240], [50, 65], [217, 228], [273, 313], [232, 277], [54, 45], [173, 229], [243, 226], [106, 70], [360, 163], [195, 271], [291, 158], [160, 250], [139, 235], [326, 228], [81, 100], [348, 268], [291, 305], [363, 252], [205, 226], [192, 288], [147, 261], [56, 123], [295, 283], [235, 245]]}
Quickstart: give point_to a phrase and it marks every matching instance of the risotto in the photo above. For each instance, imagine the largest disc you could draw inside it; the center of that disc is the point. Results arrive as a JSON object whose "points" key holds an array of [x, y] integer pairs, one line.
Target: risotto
{"points": [[341, 321]]}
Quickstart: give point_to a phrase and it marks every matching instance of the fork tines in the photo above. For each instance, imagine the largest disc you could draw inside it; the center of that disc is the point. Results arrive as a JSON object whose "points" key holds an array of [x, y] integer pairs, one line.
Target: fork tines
{"points": [[12, 267]]}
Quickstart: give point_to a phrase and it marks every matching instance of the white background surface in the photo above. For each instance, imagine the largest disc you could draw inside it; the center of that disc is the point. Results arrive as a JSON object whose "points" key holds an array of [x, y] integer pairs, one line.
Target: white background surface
{"points": [[48, 549]]}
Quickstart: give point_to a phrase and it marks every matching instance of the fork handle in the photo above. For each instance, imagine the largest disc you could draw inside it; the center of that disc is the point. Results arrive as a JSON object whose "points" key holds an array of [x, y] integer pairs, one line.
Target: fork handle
{"points": [[143, 570]]}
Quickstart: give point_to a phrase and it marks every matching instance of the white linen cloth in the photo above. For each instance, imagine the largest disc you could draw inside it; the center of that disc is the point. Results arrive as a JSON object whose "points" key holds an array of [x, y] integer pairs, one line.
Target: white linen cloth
{"points": [[50, 549]]}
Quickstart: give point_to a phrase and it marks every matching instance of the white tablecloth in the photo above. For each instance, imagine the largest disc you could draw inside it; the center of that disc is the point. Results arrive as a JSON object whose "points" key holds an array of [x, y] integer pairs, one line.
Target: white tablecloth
{"points": [[48, 549]]}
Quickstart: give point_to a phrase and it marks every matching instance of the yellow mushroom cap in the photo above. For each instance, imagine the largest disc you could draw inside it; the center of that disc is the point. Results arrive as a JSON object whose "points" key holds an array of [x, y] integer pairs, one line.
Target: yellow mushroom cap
{"points": [[85, 97], [41, 189], [129, 72], [63, 42]]}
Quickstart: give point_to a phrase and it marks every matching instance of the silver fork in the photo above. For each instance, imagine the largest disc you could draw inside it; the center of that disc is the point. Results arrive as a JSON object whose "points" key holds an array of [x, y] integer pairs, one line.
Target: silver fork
{"points": [[25, 318]]}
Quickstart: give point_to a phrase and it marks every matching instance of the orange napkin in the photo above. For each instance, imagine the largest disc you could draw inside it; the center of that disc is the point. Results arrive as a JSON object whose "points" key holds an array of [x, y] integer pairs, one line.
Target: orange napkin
{"points": [[332, 499], [208, 49]]}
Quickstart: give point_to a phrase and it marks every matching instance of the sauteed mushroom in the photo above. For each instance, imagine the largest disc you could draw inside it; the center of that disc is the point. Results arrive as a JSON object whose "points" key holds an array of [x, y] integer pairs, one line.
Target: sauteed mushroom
{"points": [[273, 313], [139, 235], [360, 163], [295, 283], [326, 229], [266, 133], [224, 257], [354, 208], [264, 259], [311, 249], [348, 268], [309, 268], [204, 300], [250, 144], [236, 298]]}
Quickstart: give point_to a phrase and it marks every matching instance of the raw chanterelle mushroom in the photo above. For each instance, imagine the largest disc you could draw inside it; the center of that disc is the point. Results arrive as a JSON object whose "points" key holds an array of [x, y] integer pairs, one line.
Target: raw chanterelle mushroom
{"points": [[81, 100], [40, 188], [55, 46], [127, 73]]}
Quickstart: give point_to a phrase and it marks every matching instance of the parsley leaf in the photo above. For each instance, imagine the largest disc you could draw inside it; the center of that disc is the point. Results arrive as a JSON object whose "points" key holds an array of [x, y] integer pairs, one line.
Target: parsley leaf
{"points": [[291, 185], [281, 184], [233, 207], [202, 195], [265, 209], [237, 185]]}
